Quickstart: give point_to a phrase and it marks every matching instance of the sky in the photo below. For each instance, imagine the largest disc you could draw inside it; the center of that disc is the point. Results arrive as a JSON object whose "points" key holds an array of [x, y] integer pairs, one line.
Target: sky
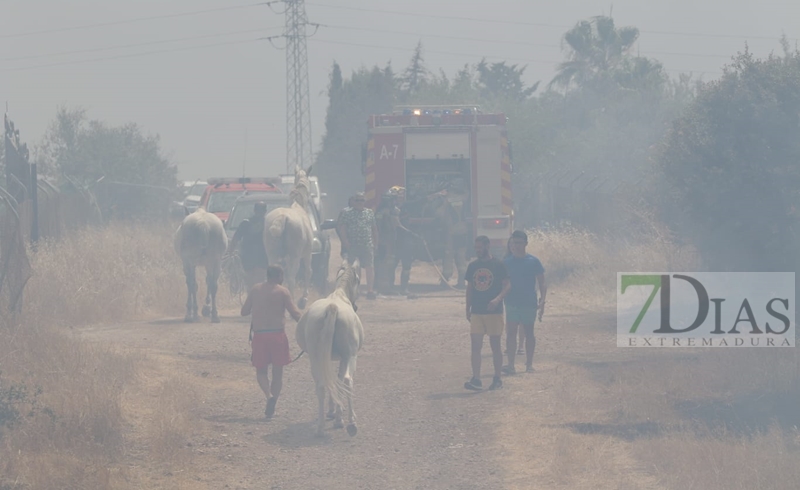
{"points": [[200, 74]]}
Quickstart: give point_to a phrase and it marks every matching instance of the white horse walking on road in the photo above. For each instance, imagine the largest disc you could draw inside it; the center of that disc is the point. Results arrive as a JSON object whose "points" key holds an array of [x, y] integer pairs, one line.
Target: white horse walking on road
{"points": [[330, 330], [201, 241], [289, 237]]}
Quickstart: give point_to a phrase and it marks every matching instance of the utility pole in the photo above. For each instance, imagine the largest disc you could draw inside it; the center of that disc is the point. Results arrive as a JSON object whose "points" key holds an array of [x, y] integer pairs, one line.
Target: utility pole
{"points": [[299, 150]]}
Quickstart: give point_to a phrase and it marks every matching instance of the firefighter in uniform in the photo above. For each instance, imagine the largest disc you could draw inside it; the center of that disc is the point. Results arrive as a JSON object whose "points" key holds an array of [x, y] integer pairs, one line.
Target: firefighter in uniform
{"points": [[405, 243], [456, 234], [387, 216]]}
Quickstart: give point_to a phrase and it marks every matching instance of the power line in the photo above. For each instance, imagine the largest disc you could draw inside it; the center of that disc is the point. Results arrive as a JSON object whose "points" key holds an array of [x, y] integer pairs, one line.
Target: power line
{"points": [[130, 21], [536, 24], [477, 56], [133, 55], [299, 149], [136, 45]]}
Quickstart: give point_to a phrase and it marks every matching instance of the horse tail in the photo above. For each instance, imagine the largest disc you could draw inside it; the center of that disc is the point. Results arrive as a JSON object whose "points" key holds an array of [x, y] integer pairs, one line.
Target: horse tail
{"points": [[320, 354]]}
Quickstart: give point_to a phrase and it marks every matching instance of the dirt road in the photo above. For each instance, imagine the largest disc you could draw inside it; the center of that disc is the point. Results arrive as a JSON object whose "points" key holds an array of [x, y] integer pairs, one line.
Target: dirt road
{"points": [[419, 428]]}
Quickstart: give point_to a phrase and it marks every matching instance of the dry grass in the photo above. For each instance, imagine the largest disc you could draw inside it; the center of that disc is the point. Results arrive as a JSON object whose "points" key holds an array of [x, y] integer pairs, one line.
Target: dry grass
{"points": [[71, 427], [171, 424], [586, 263], [688, 461], [709, 420], [603, 417], [80, 416], [122, 272]]}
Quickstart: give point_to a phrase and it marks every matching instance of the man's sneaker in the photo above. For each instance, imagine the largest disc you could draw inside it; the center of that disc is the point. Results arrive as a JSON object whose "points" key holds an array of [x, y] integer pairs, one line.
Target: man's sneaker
{"points": [[269, 412], [474, 384], [509, 370], [497, 383], [529, 369]]}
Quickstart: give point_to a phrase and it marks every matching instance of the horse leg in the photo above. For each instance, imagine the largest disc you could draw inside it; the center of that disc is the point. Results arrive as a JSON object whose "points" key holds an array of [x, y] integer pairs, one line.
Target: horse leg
{"points": [[331, 408], [292, 267], [321, 413], [308, 272], [191, 286], [352, 428], [212, 280], [338, 424]]}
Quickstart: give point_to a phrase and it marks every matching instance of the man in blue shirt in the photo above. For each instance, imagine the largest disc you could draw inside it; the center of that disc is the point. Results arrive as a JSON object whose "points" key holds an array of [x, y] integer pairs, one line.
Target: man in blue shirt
{"points": [[525, 272]]}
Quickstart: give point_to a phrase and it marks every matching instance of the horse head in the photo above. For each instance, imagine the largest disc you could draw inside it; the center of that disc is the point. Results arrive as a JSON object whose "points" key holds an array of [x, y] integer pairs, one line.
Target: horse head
{"points": [[300, 195], [301, 174], [348, 279]]}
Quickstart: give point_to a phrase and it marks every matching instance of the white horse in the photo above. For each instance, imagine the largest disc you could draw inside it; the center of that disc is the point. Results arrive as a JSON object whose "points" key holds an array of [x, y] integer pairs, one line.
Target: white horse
{"points": [[288, 236], [330, 330], [201, 241]]}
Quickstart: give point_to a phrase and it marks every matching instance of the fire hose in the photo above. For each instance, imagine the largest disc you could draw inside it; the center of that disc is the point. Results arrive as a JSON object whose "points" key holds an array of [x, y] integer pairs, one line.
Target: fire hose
{"points": [[433, 262]]}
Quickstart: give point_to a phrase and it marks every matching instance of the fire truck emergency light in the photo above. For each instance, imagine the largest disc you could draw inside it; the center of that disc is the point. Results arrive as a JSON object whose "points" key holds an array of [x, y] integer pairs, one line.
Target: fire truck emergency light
{"points": [[495, 222]]}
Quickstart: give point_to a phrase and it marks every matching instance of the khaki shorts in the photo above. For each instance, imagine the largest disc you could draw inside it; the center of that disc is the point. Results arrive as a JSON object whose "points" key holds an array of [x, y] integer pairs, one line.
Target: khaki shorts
{"points": [[491, 324], [364, 254]]}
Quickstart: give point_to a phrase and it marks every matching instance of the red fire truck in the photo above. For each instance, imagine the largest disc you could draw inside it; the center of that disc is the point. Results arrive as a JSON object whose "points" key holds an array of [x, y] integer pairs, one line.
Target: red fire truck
{"points": [[429, 148]]}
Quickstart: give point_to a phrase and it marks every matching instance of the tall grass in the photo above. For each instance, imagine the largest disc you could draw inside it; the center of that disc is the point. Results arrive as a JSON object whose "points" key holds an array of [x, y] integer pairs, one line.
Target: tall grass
{"points": [[587, 264], [110, 274], [77, 404], [687, 418]]}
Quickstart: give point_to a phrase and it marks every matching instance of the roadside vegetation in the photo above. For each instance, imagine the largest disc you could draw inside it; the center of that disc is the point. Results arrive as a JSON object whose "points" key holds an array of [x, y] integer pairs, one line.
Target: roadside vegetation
{"points": [[88, 415]]}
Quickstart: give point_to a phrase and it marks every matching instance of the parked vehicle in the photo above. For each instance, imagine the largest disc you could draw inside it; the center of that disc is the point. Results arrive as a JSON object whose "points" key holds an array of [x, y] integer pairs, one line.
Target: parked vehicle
{"points": [[221, 193], [321, 249], [193, 191]]}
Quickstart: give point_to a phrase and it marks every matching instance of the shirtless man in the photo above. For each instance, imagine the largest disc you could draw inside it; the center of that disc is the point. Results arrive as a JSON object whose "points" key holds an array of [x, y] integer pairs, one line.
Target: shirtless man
{"points": [[268, 302]]}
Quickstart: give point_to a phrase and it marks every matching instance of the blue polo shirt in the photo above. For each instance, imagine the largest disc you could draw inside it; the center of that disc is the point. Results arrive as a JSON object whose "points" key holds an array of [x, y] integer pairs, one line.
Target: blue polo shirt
{"points": [[522, 272]]}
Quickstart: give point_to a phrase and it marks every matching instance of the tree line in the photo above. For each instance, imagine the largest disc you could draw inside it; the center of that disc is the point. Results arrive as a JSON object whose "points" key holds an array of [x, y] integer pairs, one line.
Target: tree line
{"points": [[123, 166], [717, 161]]}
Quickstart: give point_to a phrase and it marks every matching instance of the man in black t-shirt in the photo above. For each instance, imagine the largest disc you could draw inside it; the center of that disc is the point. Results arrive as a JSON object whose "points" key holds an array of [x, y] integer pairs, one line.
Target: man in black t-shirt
{"points": [[487, 285]]}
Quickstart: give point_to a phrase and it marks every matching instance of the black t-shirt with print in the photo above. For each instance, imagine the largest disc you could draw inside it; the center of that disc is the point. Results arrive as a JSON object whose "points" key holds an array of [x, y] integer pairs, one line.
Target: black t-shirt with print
{"points": [[485, 277]]}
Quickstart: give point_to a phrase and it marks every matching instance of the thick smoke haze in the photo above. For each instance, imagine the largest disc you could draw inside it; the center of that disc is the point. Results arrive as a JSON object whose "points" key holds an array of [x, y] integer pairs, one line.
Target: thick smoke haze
{"points": [[216, 94]]}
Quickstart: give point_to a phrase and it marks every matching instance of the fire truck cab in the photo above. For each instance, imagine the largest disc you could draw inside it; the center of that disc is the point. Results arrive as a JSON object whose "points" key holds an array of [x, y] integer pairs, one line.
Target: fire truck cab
{"points": [[427, 149]]}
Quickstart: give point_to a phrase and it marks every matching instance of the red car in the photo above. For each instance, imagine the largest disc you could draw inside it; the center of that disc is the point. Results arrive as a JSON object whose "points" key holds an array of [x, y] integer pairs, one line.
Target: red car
{"points": [[221, 193]]}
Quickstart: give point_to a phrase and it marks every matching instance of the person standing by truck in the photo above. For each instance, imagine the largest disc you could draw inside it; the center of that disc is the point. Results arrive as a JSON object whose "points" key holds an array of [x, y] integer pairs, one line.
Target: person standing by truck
{"points": [[359, 234], [343, 249]]}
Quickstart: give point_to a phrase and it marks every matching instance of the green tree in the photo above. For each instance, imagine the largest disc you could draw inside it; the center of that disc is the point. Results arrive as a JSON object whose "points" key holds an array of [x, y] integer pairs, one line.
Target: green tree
{"points": [[130, 164], [351, 101], [498, 80], [595, 48], [731, 165], [416, 75]]}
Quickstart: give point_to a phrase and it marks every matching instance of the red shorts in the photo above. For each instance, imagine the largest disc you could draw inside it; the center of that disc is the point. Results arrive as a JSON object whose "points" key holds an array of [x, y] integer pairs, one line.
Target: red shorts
{"points": [[270, 348]]}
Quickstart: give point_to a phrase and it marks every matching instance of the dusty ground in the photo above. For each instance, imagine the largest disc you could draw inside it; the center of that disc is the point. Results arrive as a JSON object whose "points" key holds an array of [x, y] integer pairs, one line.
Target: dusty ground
{"points": [[418, 427]]}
